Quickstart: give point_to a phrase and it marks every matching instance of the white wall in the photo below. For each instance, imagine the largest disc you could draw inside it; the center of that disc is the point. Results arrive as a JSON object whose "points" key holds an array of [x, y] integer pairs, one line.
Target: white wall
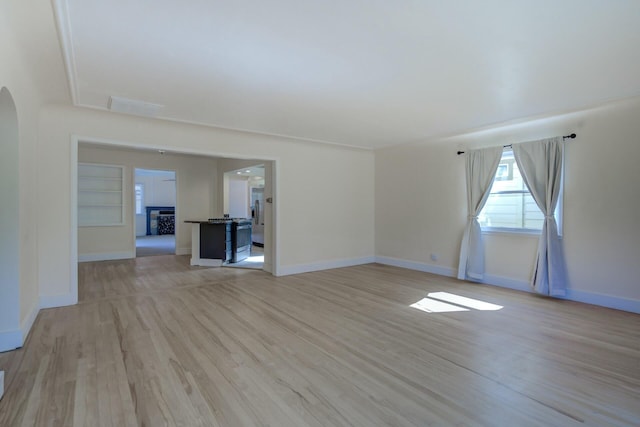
{"points": [[416, 215], [228, 165], [325, 221], [195, 183], [9, 221], [159, 190], [21, 297], [238, 197]]}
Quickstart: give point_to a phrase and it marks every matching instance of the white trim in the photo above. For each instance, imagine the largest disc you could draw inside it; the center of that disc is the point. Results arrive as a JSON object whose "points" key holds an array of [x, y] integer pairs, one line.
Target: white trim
{"points": [[507, 282], [183, 251], [61, 12], [1, 384], [75, 139], [527, 232], [73, 219], [62, 300], [273, 266], [132, 200], [418, 266], [10, 340], [233, 129], [106, 256], [609, 301], [324, 265], [27, 322]]}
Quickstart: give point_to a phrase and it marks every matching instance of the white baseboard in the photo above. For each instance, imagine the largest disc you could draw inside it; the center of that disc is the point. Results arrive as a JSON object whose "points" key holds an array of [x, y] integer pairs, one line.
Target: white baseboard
{"points": [[618, 303], [624, 304], [325, 265], [51, 301], [183, 251], [507, 282], [106, 256], [267, 267], [10, 340], [27, 322], [418, 266]]}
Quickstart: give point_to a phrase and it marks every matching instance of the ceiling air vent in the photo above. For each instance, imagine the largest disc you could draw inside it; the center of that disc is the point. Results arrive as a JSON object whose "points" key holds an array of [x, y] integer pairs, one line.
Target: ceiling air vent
{"points": [[132, 106]]}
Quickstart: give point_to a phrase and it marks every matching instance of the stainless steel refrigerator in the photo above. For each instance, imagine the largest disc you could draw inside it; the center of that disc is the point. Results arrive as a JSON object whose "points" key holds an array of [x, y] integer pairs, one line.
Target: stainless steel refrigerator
{"points": [[257, 213]]}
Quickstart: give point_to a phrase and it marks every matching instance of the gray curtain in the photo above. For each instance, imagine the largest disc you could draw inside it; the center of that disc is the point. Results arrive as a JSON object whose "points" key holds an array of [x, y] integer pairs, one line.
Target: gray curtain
{"points": [[481, 170], [540, 164]]}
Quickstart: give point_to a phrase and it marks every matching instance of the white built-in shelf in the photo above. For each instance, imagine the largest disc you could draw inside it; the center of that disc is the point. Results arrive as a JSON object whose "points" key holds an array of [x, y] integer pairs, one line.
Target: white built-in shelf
{"points": [[100, 195]]}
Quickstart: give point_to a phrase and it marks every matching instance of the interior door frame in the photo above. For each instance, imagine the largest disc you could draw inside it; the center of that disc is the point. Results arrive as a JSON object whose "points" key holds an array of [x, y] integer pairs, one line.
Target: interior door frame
{"points": [[77, 139], [133, 204]]}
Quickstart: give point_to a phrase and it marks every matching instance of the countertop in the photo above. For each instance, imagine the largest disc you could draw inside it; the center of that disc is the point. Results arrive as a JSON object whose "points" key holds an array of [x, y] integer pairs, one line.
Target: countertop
{"points": [[217, 221]]}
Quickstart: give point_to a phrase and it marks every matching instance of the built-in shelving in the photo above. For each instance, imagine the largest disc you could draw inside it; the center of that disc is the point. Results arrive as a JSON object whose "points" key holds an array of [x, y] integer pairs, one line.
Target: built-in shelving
{"points": [[100, 195]]}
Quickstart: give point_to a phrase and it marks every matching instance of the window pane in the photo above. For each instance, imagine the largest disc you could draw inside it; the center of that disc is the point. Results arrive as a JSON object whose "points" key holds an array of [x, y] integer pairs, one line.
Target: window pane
{"points": [[510, 204], [511, 211], [139, 198], [533, 217]]}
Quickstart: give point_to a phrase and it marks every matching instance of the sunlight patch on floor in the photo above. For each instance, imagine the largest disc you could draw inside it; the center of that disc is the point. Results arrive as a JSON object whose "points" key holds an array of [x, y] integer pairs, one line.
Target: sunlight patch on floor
{"points": [[434, 306], [444, 302], [464, 301]]}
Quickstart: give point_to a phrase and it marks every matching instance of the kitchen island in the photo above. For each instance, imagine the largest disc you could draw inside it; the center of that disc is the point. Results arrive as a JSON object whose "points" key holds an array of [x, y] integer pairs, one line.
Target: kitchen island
{"points": [[220, 240]]}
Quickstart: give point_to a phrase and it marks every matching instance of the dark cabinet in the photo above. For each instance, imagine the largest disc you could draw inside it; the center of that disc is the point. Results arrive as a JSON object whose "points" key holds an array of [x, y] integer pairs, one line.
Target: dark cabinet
{"points": [[215, 241]]}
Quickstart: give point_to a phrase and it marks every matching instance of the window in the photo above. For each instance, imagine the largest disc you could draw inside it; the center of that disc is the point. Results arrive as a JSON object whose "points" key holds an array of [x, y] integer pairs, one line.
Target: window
{"points": [[510, 206], [139, 198]]}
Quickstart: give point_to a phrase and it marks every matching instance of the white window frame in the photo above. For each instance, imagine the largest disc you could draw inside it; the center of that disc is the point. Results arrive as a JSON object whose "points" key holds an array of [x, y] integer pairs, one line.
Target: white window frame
{"points": [[135, 196], [558, 214]]}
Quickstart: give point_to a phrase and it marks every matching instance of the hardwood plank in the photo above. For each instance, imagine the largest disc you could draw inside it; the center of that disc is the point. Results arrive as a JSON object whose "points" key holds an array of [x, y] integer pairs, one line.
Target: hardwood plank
{"points": [[155, 341]]}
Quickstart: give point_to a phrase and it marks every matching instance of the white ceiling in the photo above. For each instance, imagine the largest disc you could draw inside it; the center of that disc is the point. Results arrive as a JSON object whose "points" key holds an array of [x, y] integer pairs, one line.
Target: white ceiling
{"points": [[367, 73], [254, 171]]}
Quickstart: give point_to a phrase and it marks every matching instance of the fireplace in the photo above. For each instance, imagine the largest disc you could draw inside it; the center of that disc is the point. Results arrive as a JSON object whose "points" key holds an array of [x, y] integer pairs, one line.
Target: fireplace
{"points": [[240, 239]]}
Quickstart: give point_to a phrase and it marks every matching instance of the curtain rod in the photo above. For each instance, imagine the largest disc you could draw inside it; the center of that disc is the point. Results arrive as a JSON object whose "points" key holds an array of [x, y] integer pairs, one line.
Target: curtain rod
{"points": [[573, 135]]}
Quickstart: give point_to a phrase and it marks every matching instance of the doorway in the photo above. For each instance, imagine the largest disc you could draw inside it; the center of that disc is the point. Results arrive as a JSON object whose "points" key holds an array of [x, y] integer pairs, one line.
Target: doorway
{"points": [[271, 232], [244, 194], [155, 212]]}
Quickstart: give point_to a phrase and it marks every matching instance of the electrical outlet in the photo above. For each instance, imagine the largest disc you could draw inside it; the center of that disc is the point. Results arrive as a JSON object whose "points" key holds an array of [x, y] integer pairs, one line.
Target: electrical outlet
{"points": [[434, 257]]}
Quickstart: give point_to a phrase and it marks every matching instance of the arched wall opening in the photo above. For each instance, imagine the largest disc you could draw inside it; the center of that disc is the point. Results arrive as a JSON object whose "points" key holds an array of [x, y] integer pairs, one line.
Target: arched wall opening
{"points": [[10, 334]]}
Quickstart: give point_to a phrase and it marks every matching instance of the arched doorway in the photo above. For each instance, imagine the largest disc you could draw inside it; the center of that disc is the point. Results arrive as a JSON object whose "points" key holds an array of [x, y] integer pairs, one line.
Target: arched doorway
{"points": [[10, 337]]}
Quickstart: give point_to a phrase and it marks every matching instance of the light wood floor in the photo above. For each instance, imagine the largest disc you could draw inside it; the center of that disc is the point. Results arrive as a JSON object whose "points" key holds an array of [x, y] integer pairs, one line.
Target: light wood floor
{"points": [[155, 342]]}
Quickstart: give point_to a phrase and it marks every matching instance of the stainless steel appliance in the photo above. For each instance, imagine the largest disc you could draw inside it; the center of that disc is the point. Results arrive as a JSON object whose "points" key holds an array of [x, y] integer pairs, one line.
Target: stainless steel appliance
{"points": [[240, 239], [257, 208]]}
